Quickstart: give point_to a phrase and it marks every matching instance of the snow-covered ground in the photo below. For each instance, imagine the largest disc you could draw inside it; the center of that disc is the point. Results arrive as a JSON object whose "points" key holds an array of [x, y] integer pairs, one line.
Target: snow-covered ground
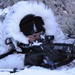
{"points": [[41, 71], [64, 70]]}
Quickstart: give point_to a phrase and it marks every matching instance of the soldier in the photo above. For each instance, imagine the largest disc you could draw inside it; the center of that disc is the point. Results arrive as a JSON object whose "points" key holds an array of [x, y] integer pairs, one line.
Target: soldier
{"points": [[21, 29]]}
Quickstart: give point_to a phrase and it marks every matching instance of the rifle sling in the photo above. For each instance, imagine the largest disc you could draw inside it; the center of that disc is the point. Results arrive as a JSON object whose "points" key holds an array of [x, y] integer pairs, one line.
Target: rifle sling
{"points": [[6, 54]]}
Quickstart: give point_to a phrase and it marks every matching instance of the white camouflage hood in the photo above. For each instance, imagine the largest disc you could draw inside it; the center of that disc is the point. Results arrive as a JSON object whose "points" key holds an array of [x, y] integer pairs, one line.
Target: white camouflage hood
{"points": [[19, 10]]}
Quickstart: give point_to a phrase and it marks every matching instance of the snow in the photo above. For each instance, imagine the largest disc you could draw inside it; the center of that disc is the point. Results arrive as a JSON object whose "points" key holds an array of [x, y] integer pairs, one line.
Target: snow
{"points": [[39, 70], [1, 12], [4, 11]]}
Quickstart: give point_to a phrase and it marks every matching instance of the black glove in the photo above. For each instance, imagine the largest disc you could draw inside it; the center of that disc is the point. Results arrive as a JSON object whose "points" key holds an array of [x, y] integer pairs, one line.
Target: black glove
{"points": [[34, 59], [52, 54], [24, 47]]}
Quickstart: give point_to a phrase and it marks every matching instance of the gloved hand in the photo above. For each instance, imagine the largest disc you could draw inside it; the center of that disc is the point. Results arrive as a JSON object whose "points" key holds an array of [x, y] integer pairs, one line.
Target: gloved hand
{"points": [[34, 59], [52, 54]]}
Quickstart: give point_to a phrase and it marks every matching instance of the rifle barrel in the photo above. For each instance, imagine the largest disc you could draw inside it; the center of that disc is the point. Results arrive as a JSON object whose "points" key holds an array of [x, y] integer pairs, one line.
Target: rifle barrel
{"points": [[62, 44]]}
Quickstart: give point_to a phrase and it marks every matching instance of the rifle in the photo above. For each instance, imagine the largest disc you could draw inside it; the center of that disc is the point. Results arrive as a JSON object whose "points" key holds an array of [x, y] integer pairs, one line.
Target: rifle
{"points": [[68, 49], [65, 48], [63, 53]]}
